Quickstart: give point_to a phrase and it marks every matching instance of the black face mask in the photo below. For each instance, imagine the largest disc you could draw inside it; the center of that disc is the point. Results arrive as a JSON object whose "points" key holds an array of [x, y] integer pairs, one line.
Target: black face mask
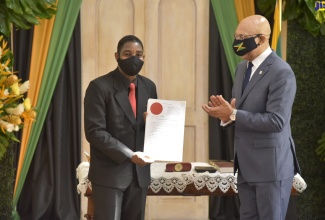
{"points": [[131, 66], [241, 47]]}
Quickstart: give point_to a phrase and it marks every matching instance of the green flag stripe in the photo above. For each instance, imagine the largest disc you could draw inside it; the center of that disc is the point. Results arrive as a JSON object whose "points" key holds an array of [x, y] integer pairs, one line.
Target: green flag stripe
{"points": [[226, 17]]}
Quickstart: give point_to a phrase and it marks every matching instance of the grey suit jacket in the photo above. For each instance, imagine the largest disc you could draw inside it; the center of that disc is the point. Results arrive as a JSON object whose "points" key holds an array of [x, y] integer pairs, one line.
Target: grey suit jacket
{"points": [[264, 148], [113, 132]]}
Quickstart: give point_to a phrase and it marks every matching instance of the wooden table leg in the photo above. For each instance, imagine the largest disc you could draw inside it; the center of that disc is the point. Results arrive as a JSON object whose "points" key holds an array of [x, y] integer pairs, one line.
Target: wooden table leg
{"points": [[90, 208]]}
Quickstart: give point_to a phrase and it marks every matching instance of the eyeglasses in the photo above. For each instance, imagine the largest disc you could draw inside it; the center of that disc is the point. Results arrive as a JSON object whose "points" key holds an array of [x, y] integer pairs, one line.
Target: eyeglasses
{"points": [[243, 36]]}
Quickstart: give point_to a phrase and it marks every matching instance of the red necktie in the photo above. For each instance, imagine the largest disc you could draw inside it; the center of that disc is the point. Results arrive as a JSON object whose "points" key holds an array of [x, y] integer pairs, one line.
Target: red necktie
{"points": [[132, 99]]}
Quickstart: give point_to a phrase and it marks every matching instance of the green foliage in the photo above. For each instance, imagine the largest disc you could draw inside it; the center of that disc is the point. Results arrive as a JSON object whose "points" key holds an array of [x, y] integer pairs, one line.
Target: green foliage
{"points": [[305, 54], [7, 178], [24, 13], [6, 53], [267, 7], [320, 151], [302, 11], [5, 140]]}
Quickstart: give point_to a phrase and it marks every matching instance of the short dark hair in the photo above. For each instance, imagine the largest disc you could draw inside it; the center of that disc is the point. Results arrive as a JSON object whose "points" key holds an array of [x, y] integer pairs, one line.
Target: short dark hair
{"points": [[126, 39]]}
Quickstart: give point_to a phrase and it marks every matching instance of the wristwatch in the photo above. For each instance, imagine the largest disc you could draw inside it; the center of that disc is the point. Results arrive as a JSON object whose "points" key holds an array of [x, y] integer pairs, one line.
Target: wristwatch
{"points": [[233, 115]]}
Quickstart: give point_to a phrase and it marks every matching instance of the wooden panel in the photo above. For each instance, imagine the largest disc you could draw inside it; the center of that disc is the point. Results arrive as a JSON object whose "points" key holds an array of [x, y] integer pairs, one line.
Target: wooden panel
{"points": [[177, 208], [189, 144], [121, 12], [177, 28]]}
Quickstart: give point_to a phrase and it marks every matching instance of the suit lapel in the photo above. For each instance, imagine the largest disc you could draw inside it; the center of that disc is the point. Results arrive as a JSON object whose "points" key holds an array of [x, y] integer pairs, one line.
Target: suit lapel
{"points": [[258, 75], [122, 98], [142, 98], [239, 80]]}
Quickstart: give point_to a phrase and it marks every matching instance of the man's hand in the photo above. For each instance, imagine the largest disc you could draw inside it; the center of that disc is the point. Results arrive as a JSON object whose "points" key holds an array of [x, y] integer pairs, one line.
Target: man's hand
{"points": [[140, 159], [218, 107]]}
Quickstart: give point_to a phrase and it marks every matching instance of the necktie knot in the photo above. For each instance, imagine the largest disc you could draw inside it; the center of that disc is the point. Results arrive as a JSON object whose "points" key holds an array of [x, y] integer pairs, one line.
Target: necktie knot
{"points": [[132, 86]]}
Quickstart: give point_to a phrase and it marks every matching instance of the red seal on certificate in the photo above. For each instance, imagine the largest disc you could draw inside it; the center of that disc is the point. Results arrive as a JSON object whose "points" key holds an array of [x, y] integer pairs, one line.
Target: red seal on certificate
{"points": [[156, 108]]}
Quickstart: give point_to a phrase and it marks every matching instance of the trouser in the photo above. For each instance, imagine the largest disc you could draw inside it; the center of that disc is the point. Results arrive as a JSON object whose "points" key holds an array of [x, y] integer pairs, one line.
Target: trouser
{"points": [[264, 200], [119, 204]]}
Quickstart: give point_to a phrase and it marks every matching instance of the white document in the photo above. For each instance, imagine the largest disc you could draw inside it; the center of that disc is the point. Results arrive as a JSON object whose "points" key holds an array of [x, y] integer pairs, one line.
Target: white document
{"points": [[164, 136]]}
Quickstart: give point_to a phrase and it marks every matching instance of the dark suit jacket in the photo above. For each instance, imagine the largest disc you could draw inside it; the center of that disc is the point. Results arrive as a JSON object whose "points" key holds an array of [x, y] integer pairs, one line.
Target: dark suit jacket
{"points": [[113, 132], [264, 148]]}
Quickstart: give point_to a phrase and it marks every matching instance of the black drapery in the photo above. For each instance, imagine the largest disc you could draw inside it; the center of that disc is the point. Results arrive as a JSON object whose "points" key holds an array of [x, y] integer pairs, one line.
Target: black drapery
{"points": [[50, 189], [22, 49]]}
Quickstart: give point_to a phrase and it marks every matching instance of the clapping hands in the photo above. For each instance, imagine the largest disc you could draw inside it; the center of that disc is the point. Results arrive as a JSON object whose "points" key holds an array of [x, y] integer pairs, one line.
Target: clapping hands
{"points": [[218, 107]]}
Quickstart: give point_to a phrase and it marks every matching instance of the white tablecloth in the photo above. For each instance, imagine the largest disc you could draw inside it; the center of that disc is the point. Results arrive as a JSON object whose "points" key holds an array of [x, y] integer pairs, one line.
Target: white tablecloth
{"points": [[167, 181]]}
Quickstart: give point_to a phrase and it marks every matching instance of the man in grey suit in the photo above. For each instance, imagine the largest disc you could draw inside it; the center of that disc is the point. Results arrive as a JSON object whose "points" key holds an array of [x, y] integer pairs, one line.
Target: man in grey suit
{"points": [[119, 171], [264, 149]]}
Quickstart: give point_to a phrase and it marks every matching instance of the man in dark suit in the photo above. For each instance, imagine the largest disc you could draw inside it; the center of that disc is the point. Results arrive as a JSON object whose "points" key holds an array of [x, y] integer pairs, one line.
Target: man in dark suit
{"points": [[118, 171], [264, 149]]}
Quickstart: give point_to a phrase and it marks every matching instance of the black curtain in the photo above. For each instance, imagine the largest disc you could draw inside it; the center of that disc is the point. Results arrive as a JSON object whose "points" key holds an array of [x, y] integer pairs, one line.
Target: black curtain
{"points": [[221, 140], [22, 49], [50, 189]]}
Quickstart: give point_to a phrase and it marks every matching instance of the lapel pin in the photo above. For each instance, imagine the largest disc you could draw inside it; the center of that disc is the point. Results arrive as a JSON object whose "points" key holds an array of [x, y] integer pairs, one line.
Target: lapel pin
{"points": [[260, 72]]}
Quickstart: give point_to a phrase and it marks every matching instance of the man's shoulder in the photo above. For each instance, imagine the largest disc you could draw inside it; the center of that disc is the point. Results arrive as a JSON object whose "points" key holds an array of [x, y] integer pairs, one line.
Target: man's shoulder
{"points": [[105, 78], [103, 83], [278, 62], [242, 64]]}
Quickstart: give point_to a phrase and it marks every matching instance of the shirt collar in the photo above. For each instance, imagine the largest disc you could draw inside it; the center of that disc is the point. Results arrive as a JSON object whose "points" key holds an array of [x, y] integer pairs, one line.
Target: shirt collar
{"points": [[125, 81], [258, 60]]}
